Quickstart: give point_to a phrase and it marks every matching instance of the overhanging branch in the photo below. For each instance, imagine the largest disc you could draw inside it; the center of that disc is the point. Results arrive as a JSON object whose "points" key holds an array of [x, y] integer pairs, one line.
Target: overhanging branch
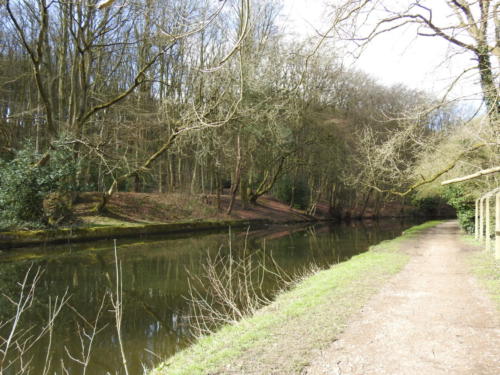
{"points": [[480, 173], [433, 177]]}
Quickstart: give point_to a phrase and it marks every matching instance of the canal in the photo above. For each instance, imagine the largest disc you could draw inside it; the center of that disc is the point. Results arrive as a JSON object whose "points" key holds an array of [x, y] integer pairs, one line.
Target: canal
{"points": [[156, 271]]}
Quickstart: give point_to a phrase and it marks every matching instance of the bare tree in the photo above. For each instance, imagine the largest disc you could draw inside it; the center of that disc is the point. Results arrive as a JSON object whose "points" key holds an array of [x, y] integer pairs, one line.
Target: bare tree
{"points": [[471, 26]]}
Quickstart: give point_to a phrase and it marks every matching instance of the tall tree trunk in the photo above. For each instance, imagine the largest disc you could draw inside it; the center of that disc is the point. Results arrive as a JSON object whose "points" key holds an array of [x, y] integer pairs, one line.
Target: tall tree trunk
{"points": [[237, 176], [244, 192], [193, 177], [171, 176], [137, 183], [179, 173], [365, 204], [267, 182], [218, 187], [294, 183], [331, 199], [160, 176], [489, 88]]}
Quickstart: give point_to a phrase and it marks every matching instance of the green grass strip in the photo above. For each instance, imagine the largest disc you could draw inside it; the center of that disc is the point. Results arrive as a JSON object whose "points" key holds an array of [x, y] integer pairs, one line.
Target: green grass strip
{"points": [[285, 334], [486, 269]]}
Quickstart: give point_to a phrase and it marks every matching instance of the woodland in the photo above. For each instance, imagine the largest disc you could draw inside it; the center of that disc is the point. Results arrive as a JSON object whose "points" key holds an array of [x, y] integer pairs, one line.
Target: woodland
{"points": [[194, 97]]}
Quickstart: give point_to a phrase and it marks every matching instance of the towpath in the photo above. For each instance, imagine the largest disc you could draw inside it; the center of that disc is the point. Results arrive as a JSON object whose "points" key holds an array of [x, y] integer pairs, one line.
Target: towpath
{"points": [[432, 318]]}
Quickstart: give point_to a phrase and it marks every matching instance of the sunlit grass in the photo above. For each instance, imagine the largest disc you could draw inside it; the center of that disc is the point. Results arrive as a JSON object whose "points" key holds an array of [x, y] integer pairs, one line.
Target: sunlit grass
{"points": [[486, 269], [418, 228]]}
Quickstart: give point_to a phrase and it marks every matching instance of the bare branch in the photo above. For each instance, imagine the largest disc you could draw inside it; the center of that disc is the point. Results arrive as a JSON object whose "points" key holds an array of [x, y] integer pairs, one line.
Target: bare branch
{"points": [[483, 172], [434, 177]]}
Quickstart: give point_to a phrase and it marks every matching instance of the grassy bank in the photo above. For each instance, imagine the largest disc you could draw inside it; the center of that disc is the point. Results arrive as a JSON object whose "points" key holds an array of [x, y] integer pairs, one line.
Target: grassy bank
{"points": [[486, 269], [287, 333]]}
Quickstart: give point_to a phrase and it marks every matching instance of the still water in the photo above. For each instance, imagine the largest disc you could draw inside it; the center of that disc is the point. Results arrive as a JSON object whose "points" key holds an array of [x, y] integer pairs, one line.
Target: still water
{"points": [[155, 283]]}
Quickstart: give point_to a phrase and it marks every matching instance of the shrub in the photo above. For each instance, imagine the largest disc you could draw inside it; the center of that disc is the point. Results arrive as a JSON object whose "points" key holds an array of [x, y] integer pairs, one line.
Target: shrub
{"points": [[463, 203], [427, 206], [284, 191], [24, 185]]}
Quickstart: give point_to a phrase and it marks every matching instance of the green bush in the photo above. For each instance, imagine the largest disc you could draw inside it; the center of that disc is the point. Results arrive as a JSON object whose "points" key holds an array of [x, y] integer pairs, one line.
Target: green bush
{"points": [[24, 185], [284, 191], [463, 203], [427, 206]]}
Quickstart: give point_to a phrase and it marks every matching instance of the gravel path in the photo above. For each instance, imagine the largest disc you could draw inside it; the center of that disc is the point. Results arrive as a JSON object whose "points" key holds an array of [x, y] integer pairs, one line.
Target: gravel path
{"points": [[432, 318]]}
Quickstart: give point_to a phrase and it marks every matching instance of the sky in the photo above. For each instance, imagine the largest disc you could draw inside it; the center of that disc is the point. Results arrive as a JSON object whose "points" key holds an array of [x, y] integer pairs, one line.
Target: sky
{"points": [[397, 57]]}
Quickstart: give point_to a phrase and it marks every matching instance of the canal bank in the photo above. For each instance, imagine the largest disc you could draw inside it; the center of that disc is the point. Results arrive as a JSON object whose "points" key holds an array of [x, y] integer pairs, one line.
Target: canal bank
{"points": [[286, 335], [21, 238], [141, 215]]}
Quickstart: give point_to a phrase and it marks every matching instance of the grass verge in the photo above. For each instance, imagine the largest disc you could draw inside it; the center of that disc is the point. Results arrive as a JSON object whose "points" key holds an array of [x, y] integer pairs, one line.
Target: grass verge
{"points": [[486, 269], [284, 336]]}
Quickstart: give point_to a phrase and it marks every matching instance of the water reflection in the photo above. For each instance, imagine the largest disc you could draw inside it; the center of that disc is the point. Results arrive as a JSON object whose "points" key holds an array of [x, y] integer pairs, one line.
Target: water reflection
{"points": [[155, 283]]}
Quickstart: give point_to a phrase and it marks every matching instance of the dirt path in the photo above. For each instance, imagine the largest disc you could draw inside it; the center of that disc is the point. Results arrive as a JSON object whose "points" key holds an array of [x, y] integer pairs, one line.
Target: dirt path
{"points": [[432, 318]]}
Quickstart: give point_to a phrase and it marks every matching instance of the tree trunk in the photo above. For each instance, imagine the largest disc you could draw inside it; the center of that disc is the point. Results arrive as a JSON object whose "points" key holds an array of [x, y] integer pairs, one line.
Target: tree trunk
{"points": [[488, 86], [179, 173], [267, 182], [331, 200], [137, 183], [294, 183], [193, 177], [244, 193], [237, 176], [171, 180], [160, 177], [218, 187], [365, 204]]}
